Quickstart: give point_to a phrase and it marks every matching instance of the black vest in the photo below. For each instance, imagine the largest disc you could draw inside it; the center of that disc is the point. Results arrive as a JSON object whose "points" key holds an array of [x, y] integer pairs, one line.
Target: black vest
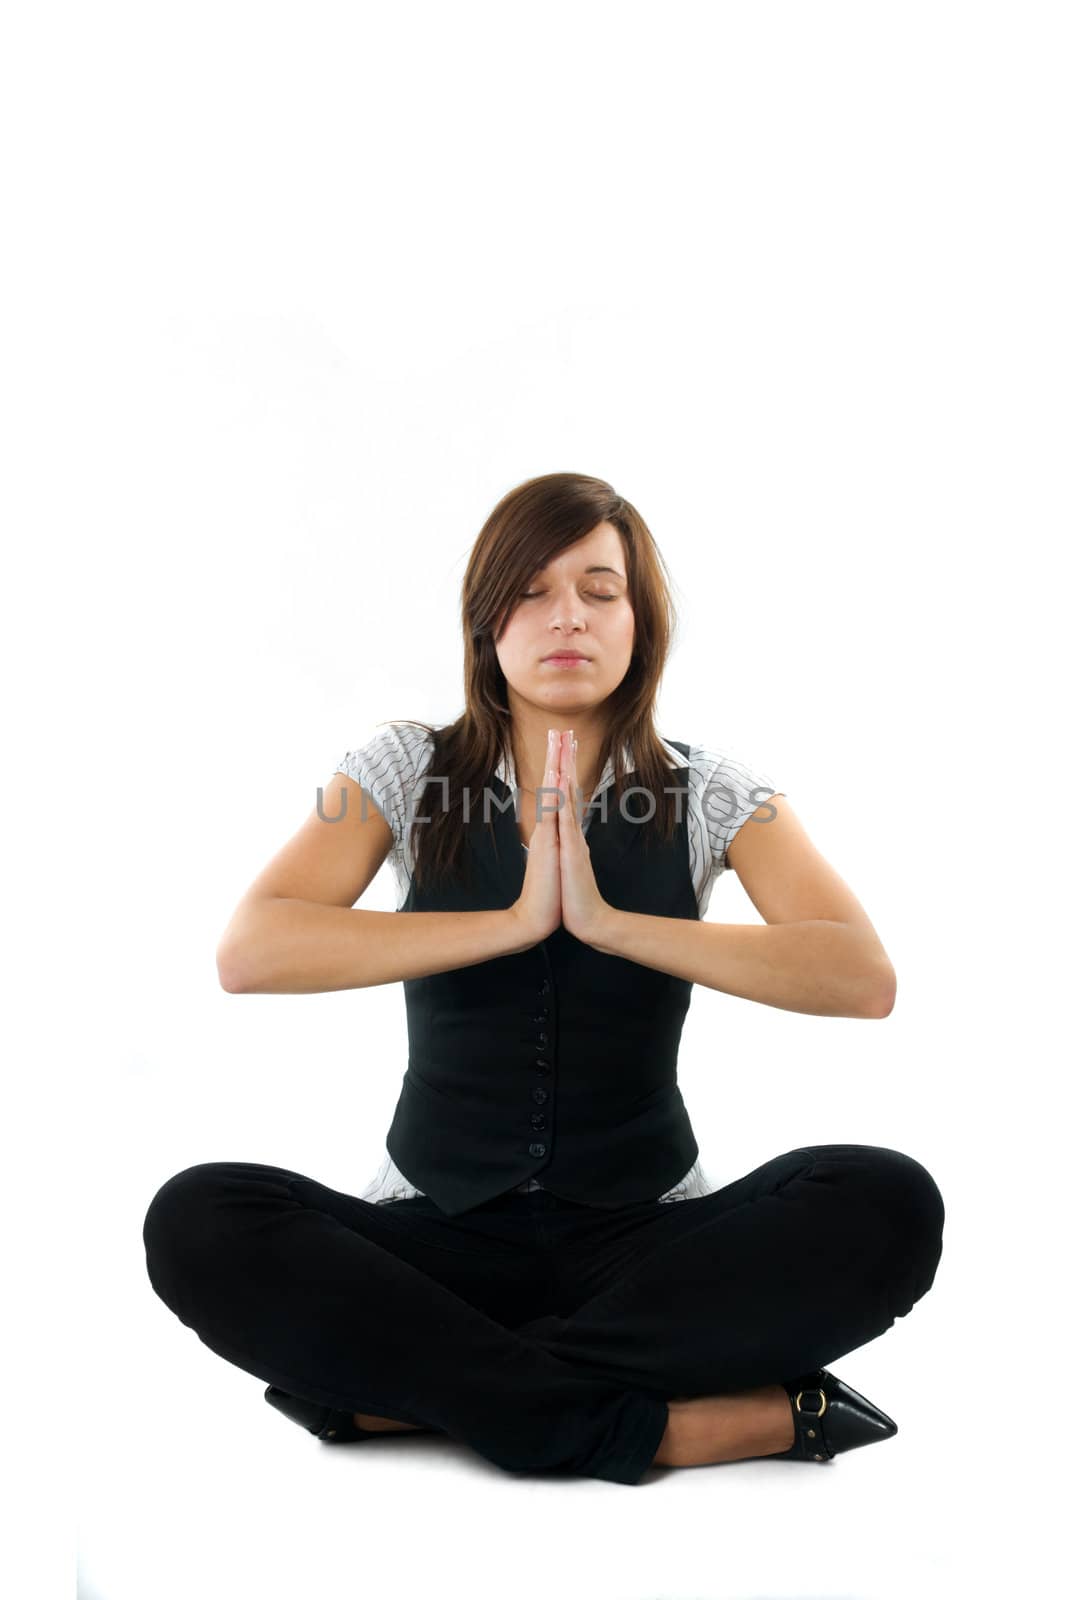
{"points": [[558, 1063]]}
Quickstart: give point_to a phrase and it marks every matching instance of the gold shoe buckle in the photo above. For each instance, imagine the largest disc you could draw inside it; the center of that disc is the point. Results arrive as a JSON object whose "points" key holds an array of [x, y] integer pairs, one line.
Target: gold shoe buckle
{"points": [[821, 1408]]}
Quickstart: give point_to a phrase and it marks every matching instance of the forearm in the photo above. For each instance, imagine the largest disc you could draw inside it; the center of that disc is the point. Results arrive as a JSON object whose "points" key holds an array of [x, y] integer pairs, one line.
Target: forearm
{"points": [[283, 946], [827, 969]]}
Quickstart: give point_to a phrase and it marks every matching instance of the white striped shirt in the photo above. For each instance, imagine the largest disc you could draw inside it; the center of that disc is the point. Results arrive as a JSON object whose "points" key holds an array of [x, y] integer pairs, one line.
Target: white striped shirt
{"points": [[723, 793]]}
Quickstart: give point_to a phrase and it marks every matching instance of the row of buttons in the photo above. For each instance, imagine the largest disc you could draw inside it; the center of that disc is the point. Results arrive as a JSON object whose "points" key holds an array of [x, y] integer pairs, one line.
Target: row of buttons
{"points": [[542, 1066]]}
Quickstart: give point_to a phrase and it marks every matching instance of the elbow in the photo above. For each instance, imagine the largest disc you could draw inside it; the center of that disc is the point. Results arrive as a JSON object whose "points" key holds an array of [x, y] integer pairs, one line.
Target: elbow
{"points": [[883, 993], [232, 977], [238, 949]]}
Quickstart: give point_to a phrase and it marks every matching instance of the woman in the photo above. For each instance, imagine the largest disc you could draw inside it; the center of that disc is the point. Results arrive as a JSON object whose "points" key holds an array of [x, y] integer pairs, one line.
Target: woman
{"points": [[519, 1275]]}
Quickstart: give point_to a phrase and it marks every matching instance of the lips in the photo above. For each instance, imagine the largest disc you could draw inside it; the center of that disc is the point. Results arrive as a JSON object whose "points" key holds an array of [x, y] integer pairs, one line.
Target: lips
{"points": [[566, 655]]}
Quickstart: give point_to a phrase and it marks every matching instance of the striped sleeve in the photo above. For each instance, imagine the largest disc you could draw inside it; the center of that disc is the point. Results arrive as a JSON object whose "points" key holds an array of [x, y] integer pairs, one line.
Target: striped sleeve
{"points": [[732, 795], [388, 766]]}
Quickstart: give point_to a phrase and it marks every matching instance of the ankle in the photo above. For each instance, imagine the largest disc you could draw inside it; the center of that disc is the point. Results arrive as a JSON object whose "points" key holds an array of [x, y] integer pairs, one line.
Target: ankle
{"points": [[381, 1424], [727, 1427]]}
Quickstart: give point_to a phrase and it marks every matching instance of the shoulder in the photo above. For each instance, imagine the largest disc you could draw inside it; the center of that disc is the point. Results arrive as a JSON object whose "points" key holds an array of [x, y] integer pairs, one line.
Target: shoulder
{"points": [[390, 747], [727, 789], [388, 764]]}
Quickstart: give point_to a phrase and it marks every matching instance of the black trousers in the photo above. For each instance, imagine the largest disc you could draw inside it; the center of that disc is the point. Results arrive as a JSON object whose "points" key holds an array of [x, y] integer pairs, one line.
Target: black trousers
{"points": [[546, 1335]]}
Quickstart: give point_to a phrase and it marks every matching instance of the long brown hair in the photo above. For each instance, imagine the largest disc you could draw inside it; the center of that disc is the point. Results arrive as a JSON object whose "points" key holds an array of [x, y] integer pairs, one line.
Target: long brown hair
{"points": [[526, 530]]}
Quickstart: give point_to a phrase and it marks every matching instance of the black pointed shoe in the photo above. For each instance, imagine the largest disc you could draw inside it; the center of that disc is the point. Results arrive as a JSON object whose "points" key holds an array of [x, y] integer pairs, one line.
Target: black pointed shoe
{"points": [[334, 1427], [830, 1418]]}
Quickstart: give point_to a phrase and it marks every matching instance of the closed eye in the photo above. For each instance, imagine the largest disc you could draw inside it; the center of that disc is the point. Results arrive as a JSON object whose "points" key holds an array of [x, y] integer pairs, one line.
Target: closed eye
{"points": [[535, 593]]}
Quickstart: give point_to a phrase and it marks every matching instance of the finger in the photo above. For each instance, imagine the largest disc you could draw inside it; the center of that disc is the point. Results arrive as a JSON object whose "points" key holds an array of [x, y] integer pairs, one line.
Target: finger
{"points": [[575, 820], [550, 799], [550, 777]]}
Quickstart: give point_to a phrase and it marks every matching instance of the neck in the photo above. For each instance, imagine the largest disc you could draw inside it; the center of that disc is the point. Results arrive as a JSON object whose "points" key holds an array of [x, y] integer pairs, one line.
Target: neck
{"points": [[529, 746]]}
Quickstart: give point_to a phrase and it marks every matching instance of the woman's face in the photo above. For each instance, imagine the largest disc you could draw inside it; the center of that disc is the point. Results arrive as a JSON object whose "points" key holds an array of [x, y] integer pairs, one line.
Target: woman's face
{"points": [[567, 606]]}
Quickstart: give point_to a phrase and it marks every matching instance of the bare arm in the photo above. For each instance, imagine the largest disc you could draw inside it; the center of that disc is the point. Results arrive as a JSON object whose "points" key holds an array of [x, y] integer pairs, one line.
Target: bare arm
{"points": [[296, 930], [825, 968], [297, 947], [819, 952]]}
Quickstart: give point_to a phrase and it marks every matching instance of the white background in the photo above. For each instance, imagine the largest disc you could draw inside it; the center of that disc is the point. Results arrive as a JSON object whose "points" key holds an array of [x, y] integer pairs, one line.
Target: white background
{"points": [[294, 295]]}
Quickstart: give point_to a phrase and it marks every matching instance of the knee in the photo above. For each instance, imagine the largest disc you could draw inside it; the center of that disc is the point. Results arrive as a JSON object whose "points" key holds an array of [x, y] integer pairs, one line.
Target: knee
{"points": [[908, 1197], [179, 1216], [891, 1181], [896, 1203]]}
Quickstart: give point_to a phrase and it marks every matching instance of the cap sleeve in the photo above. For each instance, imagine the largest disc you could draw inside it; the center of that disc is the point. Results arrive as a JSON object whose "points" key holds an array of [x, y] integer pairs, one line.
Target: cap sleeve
{"points": [[387, 766], [734, 792]]}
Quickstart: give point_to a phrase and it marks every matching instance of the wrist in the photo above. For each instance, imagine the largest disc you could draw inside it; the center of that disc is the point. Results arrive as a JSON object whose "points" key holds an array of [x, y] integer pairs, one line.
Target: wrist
{"points": [[602, 935], [521, 936]]}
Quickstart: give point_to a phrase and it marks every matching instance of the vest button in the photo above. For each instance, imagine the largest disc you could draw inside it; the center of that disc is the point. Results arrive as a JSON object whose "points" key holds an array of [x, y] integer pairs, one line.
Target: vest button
{"points": [[539, 1095], [537, 1149], [542, 1037], [542, 1017], [545, 986], [541, 1067], [539, 1121]]}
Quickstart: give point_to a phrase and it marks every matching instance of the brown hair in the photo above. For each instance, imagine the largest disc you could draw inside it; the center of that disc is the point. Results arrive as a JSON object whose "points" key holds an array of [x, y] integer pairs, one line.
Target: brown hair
{"points": [[526, 530]]}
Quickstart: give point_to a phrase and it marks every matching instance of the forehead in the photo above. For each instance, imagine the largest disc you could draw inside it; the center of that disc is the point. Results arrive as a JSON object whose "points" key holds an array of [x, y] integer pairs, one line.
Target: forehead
{"points": [[603, 547]]}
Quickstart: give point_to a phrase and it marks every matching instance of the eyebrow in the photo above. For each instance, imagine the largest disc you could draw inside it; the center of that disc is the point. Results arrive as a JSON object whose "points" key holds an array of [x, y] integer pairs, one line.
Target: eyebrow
{"points": [[618, 575]]}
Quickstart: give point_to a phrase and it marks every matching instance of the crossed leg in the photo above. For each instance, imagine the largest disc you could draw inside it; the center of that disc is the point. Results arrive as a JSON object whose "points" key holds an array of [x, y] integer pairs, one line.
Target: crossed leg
{"points": [[729, 1296], [809, 1256]]}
